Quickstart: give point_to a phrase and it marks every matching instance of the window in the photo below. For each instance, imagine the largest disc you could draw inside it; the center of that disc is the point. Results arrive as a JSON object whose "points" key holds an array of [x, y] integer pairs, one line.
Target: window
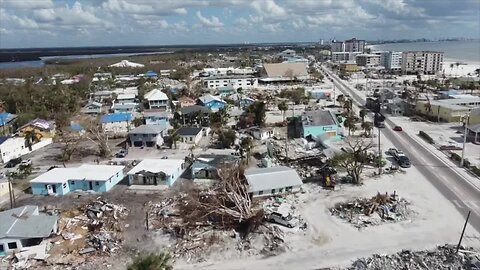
{"points": [[191, 139], [64, 185], [97, 183], [260, 192], [12, 245], [287, 189], [281, 190], [72, 182], [117, 173], [273, 191]]}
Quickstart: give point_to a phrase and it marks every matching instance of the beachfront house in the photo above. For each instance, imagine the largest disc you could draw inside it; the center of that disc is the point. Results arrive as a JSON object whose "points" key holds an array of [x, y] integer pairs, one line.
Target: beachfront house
{"points": [[24, 228], [271, 181], [157, 100], [147, 136], [156, 172], [60, 181], [117, 124]]}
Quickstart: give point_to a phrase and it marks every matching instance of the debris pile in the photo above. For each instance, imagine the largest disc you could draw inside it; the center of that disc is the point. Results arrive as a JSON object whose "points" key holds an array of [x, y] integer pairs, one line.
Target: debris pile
{"points": [[442, 258], [362, 212]]}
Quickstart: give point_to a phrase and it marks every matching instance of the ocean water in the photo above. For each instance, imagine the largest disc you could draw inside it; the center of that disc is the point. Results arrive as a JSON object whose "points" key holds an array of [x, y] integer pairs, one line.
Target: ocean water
{"points": [[462, 51]]}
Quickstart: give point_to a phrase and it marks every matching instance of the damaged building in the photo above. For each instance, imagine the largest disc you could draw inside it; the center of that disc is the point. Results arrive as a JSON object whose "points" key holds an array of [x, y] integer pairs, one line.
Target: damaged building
{"points": [[156, 172], [272, 181]]}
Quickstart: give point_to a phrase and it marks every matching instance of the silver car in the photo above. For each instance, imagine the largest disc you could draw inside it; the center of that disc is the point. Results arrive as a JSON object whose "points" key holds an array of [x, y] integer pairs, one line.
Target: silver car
{"points": [[287, 221]]}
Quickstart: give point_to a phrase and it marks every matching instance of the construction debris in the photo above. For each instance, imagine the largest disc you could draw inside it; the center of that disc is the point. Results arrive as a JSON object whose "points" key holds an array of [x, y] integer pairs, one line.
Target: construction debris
{"points": [[361, 211], [442, 258]]}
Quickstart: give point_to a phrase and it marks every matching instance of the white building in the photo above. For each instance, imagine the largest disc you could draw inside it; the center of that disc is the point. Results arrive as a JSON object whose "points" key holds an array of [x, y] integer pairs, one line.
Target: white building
{"points": [[190, 135], [117, 124], [23, 228], [14, 147], [391, 60], [157, 100], [368, 60], [272, 181], [125, 98], [156, 172], [229, 71], [423, 62], [244, 82], [262, 133], [347, 50]]}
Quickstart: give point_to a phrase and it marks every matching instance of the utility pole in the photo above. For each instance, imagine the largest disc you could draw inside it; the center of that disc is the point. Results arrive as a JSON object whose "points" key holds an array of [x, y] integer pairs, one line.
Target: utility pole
{"points": [[463, 231], [334, 97], [379, 154], [11, 193], [465, 123]]}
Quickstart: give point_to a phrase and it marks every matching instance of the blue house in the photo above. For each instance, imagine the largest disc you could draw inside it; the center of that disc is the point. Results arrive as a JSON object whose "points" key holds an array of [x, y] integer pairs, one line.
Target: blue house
{"points": [[124, 107], [117, 123], [320, 125], [151, 74], [212, 102], [60, 181], [155, 118], [156, 172]]}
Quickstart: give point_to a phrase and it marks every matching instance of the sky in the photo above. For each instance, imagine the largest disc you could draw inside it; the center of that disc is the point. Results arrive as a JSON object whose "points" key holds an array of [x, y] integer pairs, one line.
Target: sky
{"points": [[72, 23]]}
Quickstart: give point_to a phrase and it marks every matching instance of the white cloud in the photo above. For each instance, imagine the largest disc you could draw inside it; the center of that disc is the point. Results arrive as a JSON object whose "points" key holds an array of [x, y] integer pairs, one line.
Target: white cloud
{"points": [[27, 4], [268, 8], [213, 22], [44, 15], [399, 7]]}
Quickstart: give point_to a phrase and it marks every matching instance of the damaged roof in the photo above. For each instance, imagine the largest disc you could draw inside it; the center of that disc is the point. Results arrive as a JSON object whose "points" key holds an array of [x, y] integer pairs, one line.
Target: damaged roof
{"points": [[26, 222], [272, 178]]}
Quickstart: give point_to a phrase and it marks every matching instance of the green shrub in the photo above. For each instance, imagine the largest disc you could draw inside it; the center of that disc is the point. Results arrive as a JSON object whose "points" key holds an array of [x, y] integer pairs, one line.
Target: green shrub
{"points": [[151, 262], [426, 137], [475, 170], [455, 157]]}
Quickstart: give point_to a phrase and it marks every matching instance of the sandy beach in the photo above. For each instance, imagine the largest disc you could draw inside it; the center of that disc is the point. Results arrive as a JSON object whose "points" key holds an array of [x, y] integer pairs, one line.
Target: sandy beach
{"points": [[464, 69]]}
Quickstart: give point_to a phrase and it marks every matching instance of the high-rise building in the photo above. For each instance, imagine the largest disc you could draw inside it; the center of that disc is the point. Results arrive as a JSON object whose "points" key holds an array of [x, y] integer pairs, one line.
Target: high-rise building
{"points": [[347, 50], [390, 60], [422, 62]]}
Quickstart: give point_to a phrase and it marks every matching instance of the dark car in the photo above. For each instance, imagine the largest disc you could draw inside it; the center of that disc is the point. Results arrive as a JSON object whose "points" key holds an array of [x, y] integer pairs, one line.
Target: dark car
{"points": [[13, 162], [404, 162], [122, 153], [397, 128]]}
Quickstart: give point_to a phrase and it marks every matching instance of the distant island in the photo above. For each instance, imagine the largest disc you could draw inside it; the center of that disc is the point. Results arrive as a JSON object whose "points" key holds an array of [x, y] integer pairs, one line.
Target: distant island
{"points": [[375, 42]]}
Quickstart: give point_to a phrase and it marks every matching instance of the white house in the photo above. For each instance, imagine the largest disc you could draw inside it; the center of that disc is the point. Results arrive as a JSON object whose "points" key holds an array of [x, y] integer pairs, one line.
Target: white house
{"points": [[14, 147], [272, 181], [262, 133], [117, 124], [92, 107], [125, 98], [156, 172], [157, 100], [24, 227], [190, 135], [240, 81], [126, 63]]}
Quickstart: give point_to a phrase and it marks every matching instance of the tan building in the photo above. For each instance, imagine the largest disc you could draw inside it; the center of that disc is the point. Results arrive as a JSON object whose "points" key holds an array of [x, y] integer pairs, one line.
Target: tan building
{"points": [[368, 60], [422, 62], [4, 190], [449, 110], [348, 67]]}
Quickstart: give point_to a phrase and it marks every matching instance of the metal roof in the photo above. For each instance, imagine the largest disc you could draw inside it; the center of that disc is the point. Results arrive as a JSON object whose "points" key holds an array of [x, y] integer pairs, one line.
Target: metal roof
{"points": [[318, 118], [194, 108], [272, 178], [155, 94], [286, 69], [26, 222], [209, 98], [148, 129], [116, 117], [188, 131], [168, 166], [84, 172]]}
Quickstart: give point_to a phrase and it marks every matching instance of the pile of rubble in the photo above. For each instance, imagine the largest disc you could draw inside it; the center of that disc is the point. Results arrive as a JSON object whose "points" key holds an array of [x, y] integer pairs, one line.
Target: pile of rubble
{"points": [[444, 257], [362, 212]]}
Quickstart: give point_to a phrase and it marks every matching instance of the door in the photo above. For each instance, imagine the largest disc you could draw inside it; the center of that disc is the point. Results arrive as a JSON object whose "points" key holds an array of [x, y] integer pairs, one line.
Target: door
{"points": [[54, 188], [90, 185]]}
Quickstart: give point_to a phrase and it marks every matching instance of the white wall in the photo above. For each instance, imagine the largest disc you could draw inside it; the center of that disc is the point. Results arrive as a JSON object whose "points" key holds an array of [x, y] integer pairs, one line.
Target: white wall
{"points": [[15, 147], [117, 128], [277, 192]]}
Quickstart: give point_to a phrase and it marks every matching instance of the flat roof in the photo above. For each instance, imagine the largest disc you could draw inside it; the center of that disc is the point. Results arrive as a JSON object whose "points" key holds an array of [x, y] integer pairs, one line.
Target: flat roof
{"points": [[318, 118], [86, 171], [272, 178], [26, 222], [168, 166]]}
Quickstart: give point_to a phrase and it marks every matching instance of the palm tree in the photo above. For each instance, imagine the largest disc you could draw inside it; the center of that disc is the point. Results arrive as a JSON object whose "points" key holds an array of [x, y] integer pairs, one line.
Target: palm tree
{"points": [[175, 138], [246, 145], [457, 64], [31, 137], [451, 68], [283, 107], [363, 113], [347, 106], [367, 127], [341, 99], [349, 124], [151, 262]]}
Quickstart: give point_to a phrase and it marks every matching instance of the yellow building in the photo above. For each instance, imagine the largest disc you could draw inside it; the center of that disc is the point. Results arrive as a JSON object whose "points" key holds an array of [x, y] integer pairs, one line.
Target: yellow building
{"points": [[348, 67], [474, 117], [448, 110], [43, 129]]}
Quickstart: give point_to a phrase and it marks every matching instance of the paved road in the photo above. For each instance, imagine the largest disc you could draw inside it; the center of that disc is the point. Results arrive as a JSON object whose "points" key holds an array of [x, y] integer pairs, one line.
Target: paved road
{"points": [[448, 182]]}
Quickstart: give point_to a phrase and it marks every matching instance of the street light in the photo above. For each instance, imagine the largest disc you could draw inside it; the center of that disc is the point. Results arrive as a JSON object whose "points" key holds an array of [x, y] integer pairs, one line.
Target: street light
{"points": [[466, 119]]}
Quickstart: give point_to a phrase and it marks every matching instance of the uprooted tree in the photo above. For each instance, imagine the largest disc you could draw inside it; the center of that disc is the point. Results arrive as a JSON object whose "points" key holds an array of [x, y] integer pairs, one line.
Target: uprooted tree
{"points": [[70, 143], [226, 205], [95, 133], [354, 157]]}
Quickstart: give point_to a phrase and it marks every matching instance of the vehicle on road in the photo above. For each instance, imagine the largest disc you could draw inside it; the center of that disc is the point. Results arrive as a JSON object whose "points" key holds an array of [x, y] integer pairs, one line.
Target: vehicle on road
{"points": [[13, 162], [122, 153], [394, 152], [379, 120], [287, 221], [398, 128], [404, 161], [25, 163]]}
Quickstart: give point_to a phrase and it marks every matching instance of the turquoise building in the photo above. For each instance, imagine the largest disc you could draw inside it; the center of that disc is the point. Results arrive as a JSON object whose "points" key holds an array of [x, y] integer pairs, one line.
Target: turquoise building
{"points": [[60, 181], [321, 125]]}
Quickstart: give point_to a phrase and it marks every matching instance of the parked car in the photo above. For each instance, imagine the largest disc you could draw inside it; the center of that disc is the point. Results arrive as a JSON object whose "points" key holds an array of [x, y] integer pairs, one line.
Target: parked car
{"points": [[26, 163], [404, 162], [13, 162], [397, 128], [394, 152], [287, 221], [122, 153]]}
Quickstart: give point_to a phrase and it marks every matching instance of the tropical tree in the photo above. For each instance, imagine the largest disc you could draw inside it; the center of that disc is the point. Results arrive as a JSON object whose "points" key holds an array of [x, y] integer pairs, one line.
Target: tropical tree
{"points": [[283, 106], [246, 145], [362, 114], [457, 64], [31, 137], [353, 158], [348, 106], [341, 99], [226, 137], [175, 138], [349, 124], [258, 110], [367, 127], [451, 68], [151, 262]]}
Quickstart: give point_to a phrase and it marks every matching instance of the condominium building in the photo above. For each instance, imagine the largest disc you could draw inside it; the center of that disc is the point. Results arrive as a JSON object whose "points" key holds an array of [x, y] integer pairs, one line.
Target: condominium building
{"points": [[368, 60], [390, 60], [243, 81], [422, 62], [347, 50]]}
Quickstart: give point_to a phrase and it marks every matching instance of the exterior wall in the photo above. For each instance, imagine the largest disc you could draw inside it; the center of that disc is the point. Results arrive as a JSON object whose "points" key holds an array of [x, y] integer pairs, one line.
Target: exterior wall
{"points": [[154, 120], [173, 175], [215, 105], [423, 62], [329, 131], [445, 114], [149, 140], [158, 104], [3, 188], [192, 139], [117, 128], [15, 147], [346, 67], [272, 192], [124, 109], [262, 135], [126, 100], [244, 83], [92, 109], [44, 133], [18, 241], [78, 184], [368, 60]]}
